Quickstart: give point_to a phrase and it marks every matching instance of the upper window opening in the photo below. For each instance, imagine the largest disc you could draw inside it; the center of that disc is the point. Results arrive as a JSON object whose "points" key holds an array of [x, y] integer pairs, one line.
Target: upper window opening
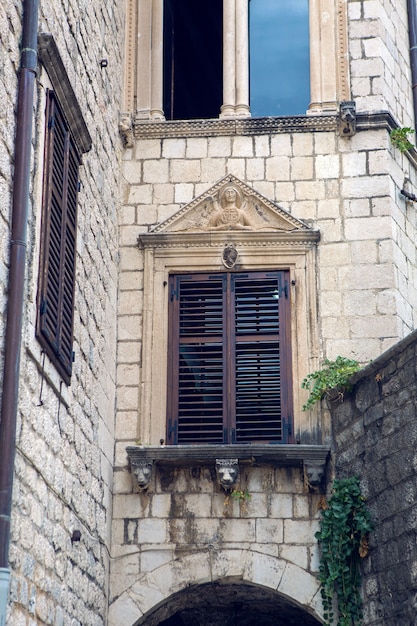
{"points": [[192, 59], [279, 57]]}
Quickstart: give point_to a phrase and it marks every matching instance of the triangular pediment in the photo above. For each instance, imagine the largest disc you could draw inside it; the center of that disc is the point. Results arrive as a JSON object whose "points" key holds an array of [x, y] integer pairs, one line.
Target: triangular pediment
{"points": [[230, 205]]}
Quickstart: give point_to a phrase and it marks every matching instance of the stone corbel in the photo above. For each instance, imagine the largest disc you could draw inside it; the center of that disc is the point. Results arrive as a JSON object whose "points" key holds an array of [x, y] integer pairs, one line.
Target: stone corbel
{"points": [[314, 471], [227, 471], [347, 118], [126, 130], [142, 471]]}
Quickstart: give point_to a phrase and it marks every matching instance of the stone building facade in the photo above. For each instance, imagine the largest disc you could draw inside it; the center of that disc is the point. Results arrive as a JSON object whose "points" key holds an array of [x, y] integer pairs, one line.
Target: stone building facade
{"points": [[115, 518]]}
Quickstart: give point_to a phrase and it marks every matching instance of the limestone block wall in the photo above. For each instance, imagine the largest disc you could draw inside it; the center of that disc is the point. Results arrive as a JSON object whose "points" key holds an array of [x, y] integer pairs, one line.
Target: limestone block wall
{"points": [[347, 188], [64, 455], [185, 530], [375, 438], [380, 58]]}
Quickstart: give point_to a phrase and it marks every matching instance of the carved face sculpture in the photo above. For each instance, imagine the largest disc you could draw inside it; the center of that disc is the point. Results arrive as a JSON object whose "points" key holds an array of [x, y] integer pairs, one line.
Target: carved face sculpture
{"points": [[143, 473], [227, 473], [230, 195]]}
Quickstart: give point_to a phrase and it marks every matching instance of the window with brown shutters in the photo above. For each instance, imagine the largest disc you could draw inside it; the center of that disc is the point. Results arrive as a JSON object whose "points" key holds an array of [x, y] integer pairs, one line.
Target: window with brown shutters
{"points": [[229, 362], [54, 327]]}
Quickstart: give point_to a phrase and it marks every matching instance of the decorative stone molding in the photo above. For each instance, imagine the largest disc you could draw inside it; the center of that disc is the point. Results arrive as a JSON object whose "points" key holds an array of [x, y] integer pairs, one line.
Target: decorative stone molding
{"points": [[142, 471], [227, 471], [247, 211], [227, 458], [216, 128], [51, 59]]}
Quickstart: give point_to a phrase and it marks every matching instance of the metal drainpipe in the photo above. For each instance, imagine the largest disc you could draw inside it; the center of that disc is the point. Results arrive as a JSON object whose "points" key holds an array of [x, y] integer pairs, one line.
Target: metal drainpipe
{"points": [[412, 35], [16, 284]]}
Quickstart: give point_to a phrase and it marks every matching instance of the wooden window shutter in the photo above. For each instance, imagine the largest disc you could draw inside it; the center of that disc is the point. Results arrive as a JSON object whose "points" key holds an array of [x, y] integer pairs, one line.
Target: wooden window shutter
{"points": [[58, 241], [229, 358]]}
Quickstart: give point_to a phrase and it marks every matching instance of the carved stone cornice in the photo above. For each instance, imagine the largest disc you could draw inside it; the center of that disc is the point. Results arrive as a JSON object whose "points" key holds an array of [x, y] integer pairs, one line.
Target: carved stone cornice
{"points": [[293, 239], [243, 126], [51, 59]]}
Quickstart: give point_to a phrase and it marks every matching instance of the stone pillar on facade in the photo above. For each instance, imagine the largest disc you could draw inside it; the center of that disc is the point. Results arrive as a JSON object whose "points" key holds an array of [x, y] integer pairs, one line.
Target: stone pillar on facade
{"points": [[242, 59], [149, 54], [329, 80], [229, 58], [235, 59], [156, 111]]}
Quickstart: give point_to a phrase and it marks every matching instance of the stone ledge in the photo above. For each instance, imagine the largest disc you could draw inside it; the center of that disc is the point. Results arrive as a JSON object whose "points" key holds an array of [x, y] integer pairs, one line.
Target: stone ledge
{"points": [[313, 458]]}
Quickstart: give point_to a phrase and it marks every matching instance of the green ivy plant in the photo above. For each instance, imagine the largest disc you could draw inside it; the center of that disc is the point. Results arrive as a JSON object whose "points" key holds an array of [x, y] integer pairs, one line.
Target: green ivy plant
{"points": [[343, 539], [239, 495], [399, 138], [334, 376]]}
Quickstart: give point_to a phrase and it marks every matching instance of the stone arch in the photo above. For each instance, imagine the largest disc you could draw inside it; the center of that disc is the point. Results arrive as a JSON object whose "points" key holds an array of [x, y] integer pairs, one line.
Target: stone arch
{"points": [[294, 585]]}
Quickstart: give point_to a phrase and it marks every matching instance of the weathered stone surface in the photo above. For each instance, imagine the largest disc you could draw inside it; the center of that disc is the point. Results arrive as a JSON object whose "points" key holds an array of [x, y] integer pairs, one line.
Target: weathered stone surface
{"points": [[382, 408]]}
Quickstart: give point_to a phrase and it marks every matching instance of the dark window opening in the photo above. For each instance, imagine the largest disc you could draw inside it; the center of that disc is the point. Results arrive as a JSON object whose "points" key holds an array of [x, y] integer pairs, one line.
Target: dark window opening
{"points": [[229, 372], [192, 59], [55, 299]]}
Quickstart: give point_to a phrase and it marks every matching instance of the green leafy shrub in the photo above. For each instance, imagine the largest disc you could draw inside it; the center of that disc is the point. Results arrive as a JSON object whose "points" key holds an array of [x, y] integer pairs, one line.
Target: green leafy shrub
{"points": [[399, 138], [343, 539], [335, 375]]}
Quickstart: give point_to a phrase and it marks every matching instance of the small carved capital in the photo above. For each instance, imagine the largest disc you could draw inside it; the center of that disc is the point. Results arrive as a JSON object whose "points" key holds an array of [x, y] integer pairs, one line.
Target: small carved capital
{"points": [[142, 471], [227, 471]]}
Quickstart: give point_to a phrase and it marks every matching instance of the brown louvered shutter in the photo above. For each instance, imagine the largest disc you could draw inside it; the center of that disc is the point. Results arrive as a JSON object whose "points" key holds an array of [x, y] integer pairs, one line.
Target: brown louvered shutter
{"points": [[229, 358], [58, 247]]}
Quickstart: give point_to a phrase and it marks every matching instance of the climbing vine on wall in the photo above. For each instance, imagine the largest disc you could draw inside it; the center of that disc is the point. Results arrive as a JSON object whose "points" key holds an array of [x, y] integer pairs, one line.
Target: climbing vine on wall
{"points": [[334, 376], [343, 539]]}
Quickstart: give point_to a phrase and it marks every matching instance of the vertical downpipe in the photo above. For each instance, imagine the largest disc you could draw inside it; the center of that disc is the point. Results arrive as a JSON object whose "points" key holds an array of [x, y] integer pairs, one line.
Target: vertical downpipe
{"points": [[16, 285], [412, 35]]}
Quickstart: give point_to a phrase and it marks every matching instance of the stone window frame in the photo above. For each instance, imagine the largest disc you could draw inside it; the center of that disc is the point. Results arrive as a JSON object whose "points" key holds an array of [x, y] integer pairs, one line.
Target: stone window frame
{"points": [[143, 71], [176, 253]]}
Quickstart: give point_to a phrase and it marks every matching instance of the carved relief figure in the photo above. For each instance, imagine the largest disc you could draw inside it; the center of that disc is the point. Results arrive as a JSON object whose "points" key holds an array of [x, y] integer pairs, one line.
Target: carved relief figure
{"points": [[229, 214], [142, 471], [227, 472]]}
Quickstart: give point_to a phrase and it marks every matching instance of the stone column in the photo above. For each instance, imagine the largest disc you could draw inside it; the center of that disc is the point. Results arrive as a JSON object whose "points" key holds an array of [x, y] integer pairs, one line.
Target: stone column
{"points": [[242, 59], [315, 66], [329, 78], [131, 61], [229, 58], [143, 59], [157, 60]]}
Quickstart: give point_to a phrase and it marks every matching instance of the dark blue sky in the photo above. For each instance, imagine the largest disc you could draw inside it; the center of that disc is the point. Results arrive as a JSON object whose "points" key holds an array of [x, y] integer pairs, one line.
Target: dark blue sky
{"points": [[279, 57]]}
